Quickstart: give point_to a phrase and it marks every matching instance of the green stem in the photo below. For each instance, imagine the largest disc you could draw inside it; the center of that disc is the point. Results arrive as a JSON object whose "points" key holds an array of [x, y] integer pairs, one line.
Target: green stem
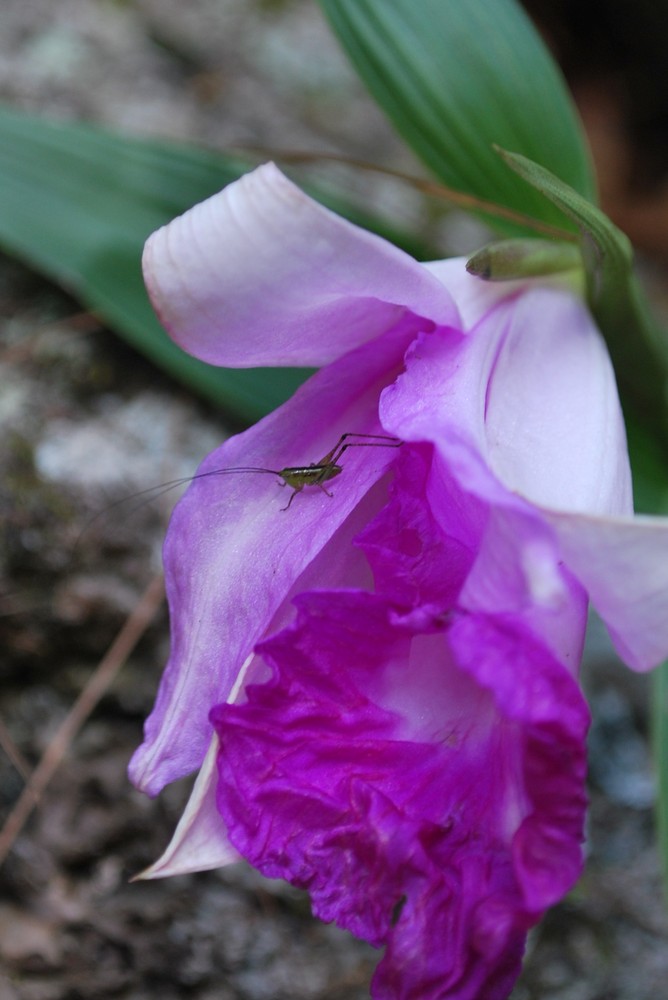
{"points": [[660, 744]]}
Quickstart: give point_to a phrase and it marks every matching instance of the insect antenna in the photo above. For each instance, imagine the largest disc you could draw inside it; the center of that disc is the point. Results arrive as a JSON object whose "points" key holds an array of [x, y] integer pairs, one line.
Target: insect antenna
{"points": [[295, 476], [152, 493]]}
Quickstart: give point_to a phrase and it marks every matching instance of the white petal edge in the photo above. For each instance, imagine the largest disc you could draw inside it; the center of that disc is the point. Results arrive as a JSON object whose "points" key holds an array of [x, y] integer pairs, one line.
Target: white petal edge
{"points": [[199, 842]]}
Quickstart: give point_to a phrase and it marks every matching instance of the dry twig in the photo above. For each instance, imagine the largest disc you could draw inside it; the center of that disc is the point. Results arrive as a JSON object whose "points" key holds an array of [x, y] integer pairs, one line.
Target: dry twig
{"points": [[13, 752], [120, 649]]}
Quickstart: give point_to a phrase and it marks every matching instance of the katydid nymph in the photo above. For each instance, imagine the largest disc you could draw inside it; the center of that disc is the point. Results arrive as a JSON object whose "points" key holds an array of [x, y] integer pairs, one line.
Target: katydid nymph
{"points": [[317, 473], [297, 477]]}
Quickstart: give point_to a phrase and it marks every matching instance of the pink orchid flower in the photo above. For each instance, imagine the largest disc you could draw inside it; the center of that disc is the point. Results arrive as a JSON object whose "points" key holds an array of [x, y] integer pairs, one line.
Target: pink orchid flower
{"points": [[380, 686]]}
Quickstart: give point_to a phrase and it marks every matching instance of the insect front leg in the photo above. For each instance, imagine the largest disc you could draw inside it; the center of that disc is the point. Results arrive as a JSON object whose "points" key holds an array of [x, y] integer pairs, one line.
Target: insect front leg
{"points": [[295, 491]]}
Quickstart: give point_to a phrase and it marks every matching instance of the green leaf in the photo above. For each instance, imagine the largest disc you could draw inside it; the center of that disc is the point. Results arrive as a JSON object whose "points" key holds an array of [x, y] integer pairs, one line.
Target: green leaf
{"points": [[456, 77], [608, 249], [77, 203]]}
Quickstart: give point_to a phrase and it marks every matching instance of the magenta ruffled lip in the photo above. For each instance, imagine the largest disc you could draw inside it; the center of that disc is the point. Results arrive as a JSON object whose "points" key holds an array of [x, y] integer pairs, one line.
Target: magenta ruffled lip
{"points": [[423, 781]]}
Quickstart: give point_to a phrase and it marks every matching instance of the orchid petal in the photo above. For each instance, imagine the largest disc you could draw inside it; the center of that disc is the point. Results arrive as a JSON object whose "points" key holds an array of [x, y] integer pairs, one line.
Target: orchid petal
{"points": [[623, 563], [421, 554], [554, 426], [533, 403], [232, 554], [535, 691], [519, 570], [434, 544], [260, 274], [200, 841]]}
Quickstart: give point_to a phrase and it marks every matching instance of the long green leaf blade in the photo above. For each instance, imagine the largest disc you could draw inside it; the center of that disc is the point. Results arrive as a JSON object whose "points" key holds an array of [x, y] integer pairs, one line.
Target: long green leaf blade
{"points": [[456, 77], [77, 203]]}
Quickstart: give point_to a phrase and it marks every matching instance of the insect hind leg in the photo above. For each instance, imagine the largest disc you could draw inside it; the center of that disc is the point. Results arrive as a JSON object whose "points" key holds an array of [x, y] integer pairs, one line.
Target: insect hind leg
{"points": [[379, 441]]}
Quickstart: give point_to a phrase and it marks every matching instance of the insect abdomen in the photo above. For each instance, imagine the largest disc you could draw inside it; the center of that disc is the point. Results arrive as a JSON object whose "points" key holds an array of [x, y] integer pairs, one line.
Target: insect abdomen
{"points": [[309, 475]]}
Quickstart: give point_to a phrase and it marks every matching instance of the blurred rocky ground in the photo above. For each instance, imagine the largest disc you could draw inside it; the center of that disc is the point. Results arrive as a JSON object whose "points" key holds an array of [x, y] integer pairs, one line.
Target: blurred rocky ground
{"points": [[84, 423]]}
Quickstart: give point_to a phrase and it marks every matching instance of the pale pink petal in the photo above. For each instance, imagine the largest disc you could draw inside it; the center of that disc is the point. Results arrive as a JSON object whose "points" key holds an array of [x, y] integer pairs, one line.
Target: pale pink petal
{"points": [[554, 427], [474, 297], [260, 274], [623, 563], [527, 399], [519, 570]]}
